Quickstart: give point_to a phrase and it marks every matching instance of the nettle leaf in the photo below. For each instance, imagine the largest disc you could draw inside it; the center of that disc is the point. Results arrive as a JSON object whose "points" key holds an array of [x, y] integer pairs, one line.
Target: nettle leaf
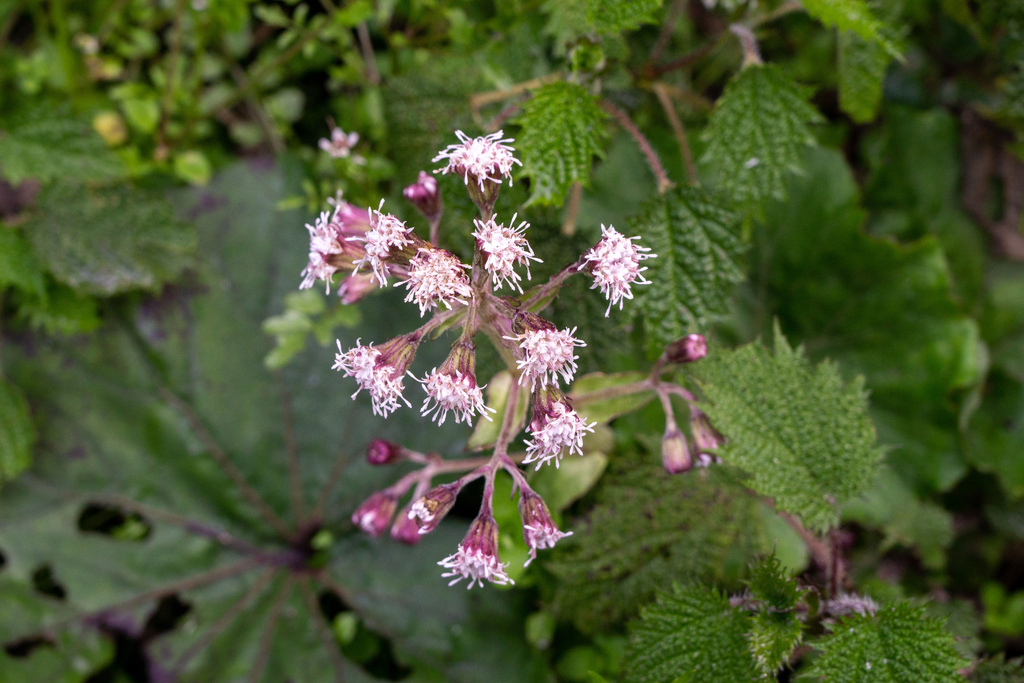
{"points": [[563, 129], [18, 265], [692, 634], [698, 526], [852, 15], [998, 670], [757, 133], [109, 240], [862, 67], [896, 644], [169, 415], [17, 433], [48, 142], [775, 629], [615, 16], [699, 246], [802, 434]]}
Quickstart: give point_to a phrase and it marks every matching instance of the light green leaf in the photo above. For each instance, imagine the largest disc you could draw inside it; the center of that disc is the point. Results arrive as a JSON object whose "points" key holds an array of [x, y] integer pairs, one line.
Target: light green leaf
{"points": [[109, 240], [802, 434], [757, 133], [692, 634], [485, 433], [895, 645], [563, 130], [562, 486], [852, 15], [593, 396], [48, 142], [699, 246], [17, 433], [862, 66]]}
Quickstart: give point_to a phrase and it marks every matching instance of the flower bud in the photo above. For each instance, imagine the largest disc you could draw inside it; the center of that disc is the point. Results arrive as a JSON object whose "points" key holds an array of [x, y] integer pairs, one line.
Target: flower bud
{"points": [[425, 196], [705, 437], [686, 350], [405, 530], [429, 510], [539, 529], [675, 454], [477, 557], [374, 515], [355, 286], [381, 452]]}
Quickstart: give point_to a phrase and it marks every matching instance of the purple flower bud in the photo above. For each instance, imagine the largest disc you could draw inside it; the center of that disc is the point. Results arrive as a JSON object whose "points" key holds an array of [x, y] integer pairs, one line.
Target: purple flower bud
{"points": [[539, 530], [381, 452], [405, 530], [425, 196], [705, 437], [355, 286], [477, 557], [429, 510], [688, 349], [675, 454], [374, 515]]}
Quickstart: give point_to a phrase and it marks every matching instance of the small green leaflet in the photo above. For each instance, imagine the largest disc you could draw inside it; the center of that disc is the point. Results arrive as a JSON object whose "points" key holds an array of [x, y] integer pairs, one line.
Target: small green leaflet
{"points": [[862, 65], [563, 129], [18, 265], [47, 142], [896, 645], [775, 629], [17, 433], [693, 634], [698, 245], [757, 132], [569, 20], [802, 434], [852, 15], [109, 240]]}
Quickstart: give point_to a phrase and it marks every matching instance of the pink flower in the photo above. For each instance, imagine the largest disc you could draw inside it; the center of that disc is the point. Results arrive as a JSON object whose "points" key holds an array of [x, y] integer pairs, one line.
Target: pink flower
{"points": [[386, 234], [483, 158], [539, 530], [545, 354], [437, 276], [477, 557], [379, 371], [425, 196], [555, 426], [355, 286], [374, 515], [329, 248], [615, 265], [505, 247], [688, 349], [340, 145], [456, 392], [430, 509], [405, 530]]}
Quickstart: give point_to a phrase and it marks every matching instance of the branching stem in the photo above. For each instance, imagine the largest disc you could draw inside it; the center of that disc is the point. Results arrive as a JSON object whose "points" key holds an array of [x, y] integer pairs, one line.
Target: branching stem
{"points": [[645, 147]]}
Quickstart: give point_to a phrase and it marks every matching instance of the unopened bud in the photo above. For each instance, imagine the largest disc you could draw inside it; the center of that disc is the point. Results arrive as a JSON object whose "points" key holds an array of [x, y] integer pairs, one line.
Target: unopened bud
{"points": [[374, 515], [705, 437], [405, 530], [425, 196], [686, 350], [381, 452], [675, 454], [355, 286], [429, 510]]}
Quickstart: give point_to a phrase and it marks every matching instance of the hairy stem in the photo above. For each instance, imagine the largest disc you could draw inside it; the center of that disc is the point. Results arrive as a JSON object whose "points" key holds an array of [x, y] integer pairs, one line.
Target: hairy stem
{"points": [[677, 130], [543, 294], [645, 147]]}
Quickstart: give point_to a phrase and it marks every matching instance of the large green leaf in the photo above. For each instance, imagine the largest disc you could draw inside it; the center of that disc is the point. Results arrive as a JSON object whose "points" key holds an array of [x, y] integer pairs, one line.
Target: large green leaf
{"points": [[109, 240], [563, 130], [802, 434], [852, 15], [698, 244], [170, 414], [862, 66]]}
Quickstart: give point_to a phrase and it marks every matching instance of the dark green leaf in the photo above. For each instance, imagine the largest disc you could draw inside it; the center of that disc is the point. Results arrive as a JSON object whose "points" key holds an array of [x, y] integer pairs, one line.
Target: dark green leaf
{"points": [[563, 129], [18, 265], [17, 433], [698, 245], [615, 16], [802, 434], [852, 15], [775, 629], [862, 66]]}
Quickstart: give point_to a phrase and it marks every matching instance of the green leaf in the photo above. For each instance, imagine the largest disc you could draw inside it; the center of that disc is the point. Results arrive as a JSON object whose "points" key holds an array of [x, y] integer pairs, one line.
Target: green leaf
{"points": [[61, 310], [775, 629], [692, 634], [862, 66], [563, 128], [697, 526], [757, 133], [699, 247], [109, 240], [615, 16], [18, 265], [47, 142], [594, 395], [486, 432], [802, 434], [998, 670], [852, 15], [562, 486], [17, 433], [895, 645]]}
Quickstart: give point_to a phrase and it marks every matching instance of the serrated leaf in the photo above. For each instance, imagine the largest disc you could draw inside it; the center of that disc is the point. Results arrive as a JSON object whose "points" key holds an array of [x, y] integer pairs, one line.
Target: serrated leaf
{"points": [[17, 433], [852, 15], [862, 66], [699, 526], [49, 142], [562, 131], [757, 133], [18, 265], [802, 434], [895, 645], [692, 634], [998, 670], [775, 629], [698, 244], [109, 240], [614, 16]]}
